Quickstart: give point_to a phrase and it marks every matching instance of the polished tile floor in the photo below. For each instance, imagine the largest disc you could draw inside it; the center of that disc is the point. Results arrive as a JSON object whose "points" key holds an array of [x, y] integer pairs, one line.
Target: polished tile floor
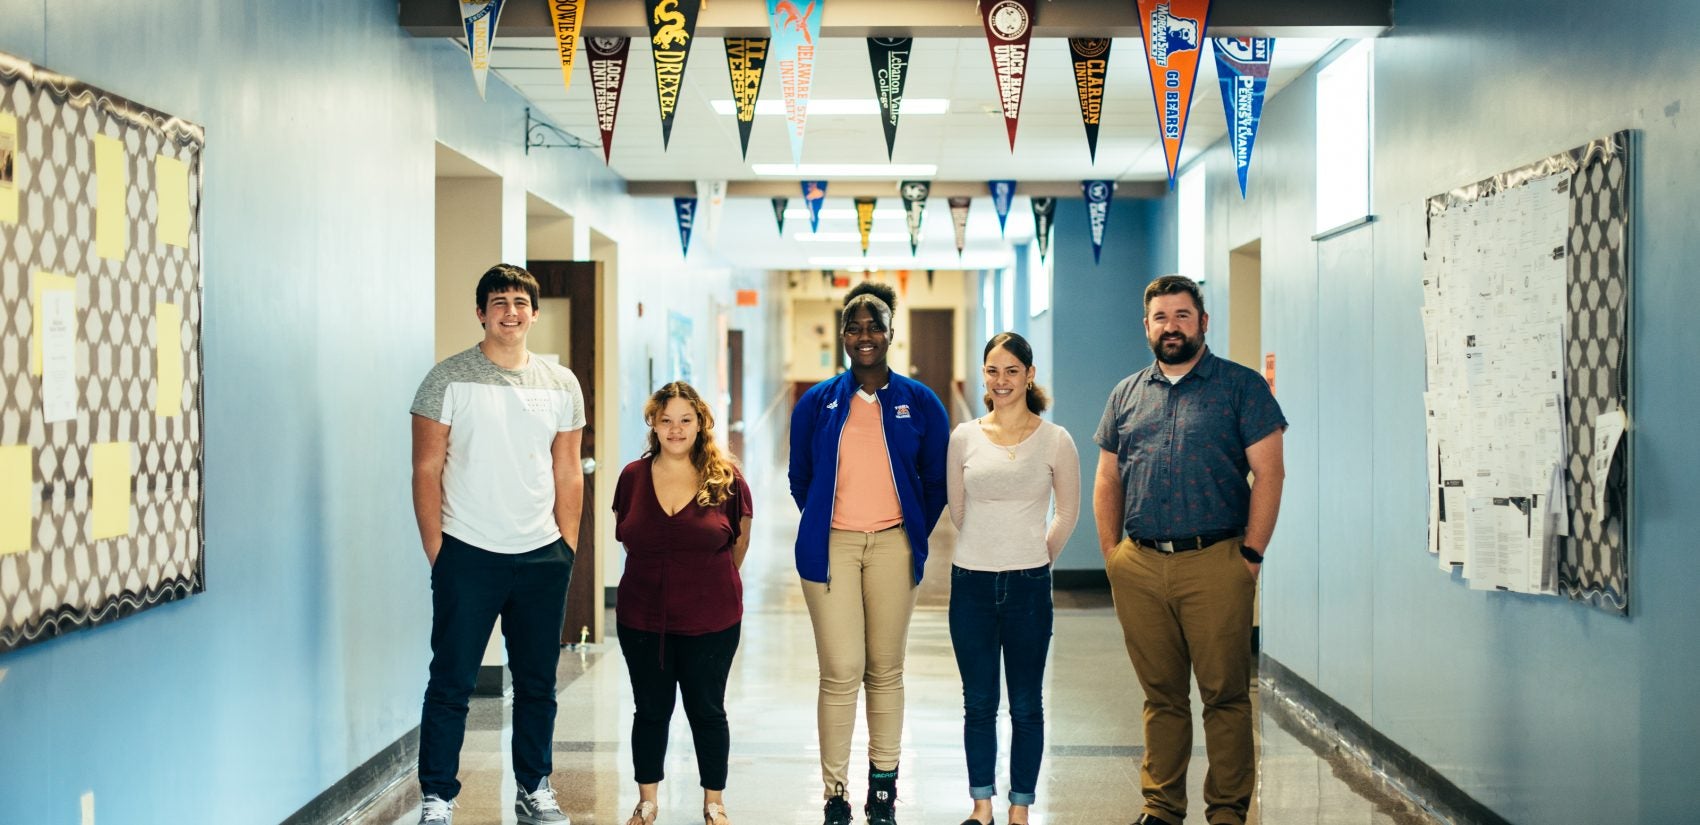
{"points": [[1094, 742]]}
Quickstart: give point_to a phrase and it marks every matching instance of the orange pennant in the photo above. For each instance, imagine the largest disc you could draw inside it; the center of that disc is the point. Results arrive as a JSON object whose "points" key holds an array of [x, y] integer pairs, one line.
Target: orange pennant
{"points": [[1174, 40]]}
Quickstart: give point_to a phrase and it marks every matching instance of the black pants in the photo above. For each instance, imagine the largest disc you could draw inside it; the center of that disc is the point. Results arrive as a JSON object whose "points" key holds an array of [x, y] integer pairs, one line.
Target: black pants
{"points": [[696, 667], [469, 589]]}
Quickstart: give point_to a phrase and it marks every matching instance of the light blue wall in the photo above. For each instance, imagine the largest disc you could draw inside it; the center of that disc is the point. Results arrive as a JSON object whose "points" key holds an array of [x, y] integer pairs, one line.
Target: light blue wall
{"points": [[1542, 709], [1096, 335], [307, 653]]}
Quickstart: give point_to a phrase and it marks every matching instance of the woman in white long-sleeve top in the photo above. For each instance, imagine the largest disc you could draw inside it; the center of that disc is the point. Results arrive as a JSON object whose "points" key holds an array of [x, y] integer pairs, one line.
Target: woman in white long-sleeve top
{"points": [[1002, 472]]}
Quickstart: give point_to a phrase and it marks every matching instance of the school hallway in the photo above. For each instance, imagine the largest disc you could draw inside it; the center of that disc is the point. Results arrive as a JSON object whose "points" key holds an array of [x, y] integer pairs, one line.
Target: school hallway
{"points": [[1092, 706]]}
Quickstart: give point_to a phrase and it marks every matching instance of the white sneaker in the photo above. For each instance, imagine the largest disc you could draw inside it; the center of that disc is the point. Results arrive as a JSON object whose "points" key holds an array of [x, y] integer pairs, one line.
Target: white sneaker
{"points": [[436, 810], [538, 807]]}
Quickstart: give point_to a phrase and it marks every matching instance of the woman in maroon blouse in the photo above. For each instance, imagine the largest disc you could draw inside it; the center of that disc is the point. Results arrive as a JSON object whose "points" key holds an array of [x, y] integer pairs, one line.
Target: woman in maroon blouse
{"points": [[683, 513]]}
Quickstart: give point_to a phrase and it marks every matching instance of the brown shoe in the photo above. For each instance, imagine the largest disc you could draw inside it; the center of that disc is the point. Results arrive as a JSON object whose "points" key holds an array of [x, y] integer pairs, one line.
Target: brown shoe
{"points": [[714, 813], [643, 814]]}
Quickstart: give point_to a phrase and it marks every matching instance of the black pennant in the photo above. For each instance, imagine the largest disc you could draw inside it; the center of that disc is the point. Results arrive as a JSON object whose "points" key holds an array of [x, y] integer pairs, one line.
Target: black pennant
{"points": [[672, 24], [890, 59], [1044, 212], [745, 58], [1091, 66], [779, 205]]}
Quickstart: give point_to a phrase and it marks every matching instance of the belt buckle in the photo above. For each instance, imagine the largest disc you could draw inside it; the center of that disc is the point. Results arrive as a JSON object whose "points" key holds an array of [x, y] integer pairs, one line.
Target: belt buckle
{"points": [[1166, 547]]}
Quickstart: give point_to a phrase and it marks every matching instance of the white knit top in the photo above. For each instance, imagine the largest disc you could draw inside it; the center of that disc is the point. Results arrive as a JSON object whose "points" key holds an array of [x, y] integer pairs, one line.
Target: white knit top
{"points": [[1000, 497]]}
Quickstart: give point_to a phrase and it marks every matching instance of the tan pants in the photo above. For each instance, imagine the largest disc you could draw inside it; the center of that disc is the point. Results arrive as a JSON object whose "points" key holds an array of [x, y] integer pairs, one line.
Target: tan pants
{"points": [[1190, 609], [861, 619]]}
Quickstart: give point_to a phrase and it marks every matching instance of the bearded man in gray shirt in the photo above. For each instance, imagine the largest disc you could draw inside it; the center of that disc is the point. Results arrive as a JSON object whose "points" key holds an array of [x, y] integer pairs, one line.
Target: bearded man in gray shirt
{"points": [[1177, 440]]}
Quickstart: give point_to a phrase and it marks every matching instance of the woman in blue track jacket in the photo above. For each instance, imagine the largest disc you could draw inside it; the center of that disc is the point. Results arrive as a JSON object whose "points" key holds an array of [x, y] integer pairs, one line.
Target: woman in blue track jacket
{"points": [[868, 471]]}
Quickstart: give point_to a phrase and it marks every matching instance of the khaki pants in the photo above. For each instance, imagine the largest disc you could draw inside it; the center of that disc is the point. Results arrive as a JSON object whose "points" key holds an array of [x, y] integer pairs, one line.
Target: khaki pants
{"points": [[1190, 610], [861, 620]]}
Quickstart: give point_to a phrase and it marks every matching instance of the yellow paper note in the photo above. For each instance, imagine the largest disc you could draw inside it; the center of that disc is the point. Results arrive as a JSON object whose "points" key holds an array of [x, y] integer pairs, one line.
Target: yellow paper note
{"points": [[16, 487], [9, 167], [43, 281], [168, 359], [109, 463], [111, 215], [171, 186]]}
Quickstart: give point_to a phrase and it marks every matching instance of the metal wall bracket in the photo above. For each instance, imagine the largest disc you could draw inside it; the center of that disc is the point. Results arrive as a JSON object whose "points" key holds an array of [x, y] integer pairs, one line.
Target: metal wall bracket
{"points": [[538, 132]]}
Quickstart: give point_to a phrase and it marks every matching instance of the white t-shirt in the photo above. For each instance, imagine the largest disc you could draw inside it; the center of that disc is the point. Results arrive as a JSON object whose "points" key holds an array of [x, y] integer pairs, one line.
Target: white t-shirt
{"points": [[499, 480], [1000, 496]]}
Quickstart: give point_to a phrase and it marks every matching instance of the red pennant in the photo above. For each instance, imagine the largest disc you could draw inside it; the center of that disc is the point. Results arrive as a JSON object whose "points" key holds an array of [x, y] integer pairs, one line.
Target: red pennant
{"points": [[1009, 27], [607, 76]]}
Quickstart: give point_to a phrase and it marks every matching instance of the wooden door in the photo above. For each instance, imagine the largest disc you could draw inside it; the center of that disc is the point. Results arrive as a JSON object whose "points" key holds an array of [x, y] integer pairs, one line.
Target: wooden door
{"points": [[735, 389], [932, 351], [577, 281]]}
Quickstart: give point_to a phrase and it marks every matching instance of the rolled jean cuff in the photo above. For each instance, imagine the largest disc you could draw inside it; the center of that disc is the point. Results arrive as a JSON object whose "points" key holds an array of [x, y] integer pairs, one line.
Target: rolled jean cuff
{"points": [[1016, 798], [982, 791]]}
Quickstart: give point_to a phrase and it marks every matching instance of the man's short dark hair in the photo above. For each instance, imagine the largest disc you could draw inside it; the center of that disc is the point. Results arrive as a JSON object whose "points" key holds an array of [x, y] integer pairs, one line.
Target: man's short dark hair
{"points": [[505, 278], [1174, 285]]}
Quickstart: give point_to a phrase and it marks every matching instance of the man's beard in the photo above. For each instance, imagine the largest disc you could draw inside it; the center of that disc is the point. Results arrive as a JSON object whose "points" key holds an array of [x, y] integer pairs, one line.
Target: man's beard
{"points": [[1178, 355]]}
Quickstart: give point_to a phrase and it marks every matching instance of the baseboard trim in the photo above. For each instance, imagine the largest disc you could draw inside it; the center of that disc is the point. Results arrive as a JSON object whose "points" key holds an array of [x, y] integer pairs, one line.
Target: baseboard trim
{"points": [[492, 681], [363, 786], [1093, 578], [1324, 724]]}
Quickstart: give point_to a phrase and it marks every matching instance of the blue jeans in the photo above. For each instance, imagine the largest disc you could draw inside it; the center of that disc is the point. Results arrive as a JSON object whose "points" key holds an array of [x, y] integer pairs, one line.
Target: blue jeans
{"points": [[1003, 616]]}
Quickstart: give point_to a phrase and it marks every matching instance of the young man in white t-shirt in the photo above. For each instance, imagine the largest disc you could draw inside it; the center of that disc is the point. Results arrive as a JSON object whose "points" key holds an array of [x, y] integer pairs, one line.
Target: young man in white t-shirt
{"points": [[498, 492]]}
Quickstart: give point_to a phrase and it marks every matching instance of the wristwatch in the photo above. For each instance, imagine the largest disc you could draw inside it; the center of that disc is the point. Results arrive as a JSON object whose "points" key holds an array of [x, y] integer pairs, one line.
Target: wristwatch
{"points": [[1251, 554]]}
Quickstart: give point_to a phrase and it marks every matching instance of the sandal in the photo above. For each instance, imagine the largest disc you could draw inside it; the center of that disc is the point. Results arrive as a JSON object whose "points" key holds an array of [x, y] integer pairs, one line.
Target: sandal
{"points": [[714, 813], [643, 814]]}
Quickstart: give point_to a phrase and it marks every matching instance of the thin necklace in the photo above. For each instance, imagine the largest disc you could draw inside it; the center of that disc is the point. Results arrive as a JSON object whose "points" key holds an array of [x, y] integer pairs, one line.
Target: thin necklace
{"points": [[1010, 448]]}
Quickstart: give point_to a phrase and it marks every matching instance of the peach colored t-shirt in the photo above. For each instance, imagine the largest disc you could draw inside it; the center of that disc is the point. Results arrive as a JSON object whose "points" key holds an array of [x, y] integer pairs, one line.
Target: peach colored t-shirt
{"points": [[866, 498]]}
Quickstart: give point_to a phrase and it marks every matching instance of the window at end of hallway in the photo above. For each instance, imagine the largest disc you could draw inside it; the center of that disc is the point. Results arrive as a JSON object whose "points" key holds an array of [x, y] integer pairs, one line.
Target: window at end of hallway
{"points": [[1344, 114], [1190, 227]]}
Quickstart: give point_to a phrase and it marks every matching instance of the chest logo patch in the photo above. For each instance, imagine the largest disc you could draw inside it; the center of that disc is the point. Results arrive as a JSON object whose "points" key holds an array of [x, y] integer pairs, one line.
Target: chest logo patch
{"points": [[902, 410]]}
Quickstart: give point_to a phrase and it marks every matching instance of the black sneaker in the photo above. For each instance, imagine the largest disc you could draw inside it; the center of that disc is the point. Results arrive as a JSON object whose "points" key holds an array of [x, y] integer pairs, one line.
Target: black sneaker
{"points": [[838, 809]]}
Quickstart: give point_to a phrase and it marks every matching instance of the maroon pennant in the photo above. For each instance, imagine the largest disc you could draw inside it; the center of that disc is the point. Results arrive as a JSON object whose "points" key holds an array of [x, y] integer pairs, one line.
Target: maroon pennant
{"points": [[1009, 27], [607, 76]]}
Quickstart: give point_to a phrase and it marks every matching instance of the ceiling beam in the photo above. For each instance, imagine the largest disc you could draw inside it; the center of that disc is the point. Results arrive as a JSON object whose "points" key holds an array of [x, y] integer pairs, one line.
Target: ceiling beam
{"points": [[929, 18], [884, 189]]}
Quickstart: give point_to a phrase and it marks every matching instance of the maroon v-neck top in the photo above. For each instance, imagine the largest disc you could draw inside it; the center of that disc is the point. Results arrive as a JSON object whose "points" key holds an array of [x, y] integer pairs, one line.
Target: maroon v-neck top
{"points": [[679, 573]]}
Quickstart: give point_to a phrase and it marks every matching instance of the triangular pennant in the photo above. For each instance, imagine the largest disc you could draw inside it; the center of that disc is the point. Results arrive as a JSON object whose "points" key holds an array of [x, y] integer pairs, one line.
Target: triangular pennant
{"points": [[1044, 212], [930, 275], [903, 283], [567, 21], [1003, 194], [1174, 38], [814, 195], [795, 31], [479, 21], [865, 220], [890, 59], [672, 23], [1091, 56], [1098, 194], [1009, 26], [1242, 67], [959, 221], [745, 58], [779, 205], [914, 194], [685, 209], [711, 197], [607, 56]]}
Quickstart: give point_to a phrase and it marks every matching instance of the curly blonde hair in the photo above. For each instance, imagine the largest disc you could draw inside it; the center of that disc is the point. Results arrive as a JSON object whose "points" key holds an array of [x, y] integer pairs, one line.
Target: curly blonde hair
{"points": [[716, 469]]}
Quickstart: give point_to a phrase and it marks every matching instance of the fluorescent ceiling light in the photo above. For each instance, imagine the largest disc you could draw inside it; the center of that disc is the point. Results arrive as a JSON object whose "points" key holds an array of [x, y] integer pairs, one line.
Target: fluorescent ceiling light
{"points": [[858, 263], [842, 106], [795, 213], [815, 171], [848, 237]]}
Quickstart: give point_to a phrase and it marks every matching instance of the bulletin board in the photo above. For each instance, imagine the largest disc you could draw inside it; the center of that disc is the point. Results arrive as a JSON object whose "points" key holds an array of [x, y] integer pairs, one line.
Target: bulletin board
{"points": [[100, 356], [1526, 282]]}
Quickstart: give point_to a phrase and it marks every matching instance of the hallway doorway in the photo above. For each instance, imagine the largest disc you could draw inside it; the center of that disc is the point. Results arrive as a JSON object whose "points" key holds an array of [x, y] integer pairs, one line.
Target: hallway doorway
{"points": [[932, 351], [1245, 305]]}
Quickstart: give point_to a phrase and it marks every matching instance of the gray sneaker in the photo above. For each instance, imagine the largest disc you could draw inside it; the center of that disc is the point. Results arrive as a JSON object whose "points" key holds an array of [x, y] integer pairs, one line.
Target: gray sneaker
{"points": [[435, 810], [538, 807]]}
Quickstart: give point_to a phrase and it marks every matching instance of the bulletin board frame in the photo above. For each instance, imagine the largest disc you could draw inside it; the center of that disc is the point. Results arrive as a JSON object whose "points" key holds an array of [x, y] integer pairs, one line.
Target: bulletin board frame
{"points": [[1592, 562], [101, 206]]}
